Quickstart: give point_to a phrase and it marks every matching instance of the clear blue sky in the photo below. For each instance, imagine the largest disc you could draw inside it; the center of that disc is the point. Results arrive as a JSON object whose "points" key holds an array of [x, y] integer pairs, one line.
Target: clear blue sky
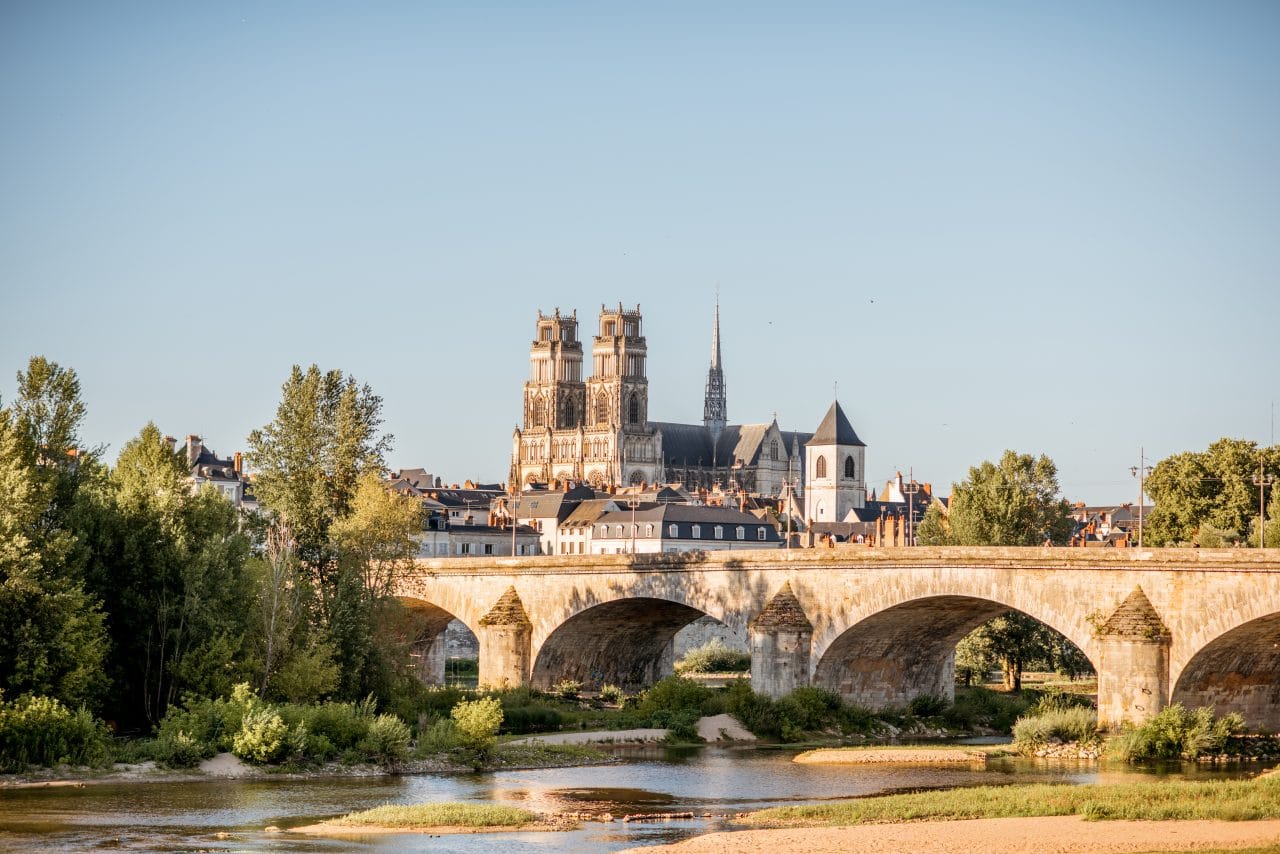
{"points": [[1050, 227]]}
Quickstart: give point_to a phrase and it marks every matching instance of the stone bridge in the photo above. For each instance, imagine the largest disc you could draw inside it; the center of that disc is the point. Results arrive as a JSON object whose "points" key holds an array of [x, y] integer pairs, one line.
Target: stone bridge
{"points": [[880, 626]]}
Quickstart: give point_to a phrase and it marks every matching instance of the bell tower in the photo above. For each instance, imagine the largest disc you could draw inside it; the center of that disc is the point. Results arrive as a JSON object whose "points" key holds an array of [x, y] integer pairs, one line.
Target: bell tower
{"points": [[554, 395], [618, 390]]}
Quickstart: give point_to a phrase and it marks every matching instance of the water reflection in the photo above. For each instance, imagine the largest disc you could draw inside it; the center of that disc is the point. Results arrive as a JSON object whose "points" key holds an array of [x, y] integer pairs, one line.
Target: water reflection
{"points": [[712, 783]]}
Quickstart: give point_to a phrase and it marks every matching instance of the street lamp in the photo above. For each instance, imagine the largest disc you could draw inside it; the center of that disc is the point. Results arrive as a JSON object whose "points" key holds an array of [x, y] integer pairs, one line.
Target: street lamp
{"points": [[911, 488], [1140, 471], [1262, 482]]}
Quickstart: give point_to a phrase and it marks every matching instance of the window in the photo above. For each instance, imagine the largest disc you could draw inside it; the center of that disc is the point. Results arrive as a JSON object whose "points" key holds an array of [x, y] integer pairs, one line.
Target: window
{"points": [[848, 467], [602, 408], [579, 548], [820, 467], [719, 532], [648, 530], [488, 548], [741, 533], [760, 533], [696, 532], [672, 530], [604, 530], [773, 449], [633, 409], [618, 529], [464, 548]]}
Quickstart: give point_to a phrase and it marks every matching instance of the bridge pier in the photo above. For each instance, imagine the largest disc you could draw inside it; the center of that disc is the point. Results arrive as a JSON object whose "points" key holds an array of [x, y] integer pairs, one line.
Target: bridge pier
{"points": [[1133, 663], [781, 638], [505, 635], [429, 660]]}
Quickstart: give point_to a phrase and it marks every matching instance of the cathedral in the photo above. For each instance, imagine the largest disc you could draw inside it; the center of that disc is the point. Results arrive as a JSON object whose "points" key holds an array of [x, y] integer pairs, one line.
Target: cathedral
{"points": [[598, 431]]}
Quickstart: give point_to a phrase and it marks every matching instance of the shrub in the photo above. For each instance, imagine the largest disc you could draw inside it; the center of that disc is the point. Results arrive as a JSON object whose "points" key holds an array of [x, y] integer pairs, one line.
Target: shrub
{"points": [[928, 705], [37, 730], [567, 688], [387, 741], [714, 657], [984, 707], [179, 750], [261, 737], [612, 694], [478, 722], [1070, 723], [674, 694], [809, 708], [1178, 733], [440, 737], [526, 719]]}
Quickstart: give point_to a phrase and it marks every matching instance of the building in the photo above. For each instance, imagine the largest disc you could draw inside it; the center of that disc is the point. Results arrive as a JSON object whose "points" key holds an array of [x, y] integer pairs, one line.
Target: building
{"points": [[225, 474], [835, 466], [597, 430], [679, 528]]}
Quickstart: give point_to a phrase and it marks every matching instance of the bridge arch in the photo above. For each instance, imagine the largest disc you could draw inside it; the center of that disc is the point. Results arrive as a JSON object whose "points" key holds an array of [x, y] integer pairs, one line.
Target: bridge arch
{"points": [[420, 630], [1237, 671], [887, 656]]}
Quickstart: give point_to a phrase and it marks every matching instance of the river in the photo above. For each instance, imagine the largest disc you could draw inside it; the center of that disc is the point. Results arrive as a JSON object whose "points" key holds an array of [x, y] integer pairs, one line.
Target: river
{"points": [[716, 781]]}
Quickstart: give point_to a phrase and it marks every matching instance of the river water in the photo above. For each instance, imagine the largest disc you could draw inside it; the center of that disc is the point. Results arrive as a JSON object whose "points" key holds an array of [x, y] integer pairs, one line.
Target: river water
{"points": [[715, 781]]}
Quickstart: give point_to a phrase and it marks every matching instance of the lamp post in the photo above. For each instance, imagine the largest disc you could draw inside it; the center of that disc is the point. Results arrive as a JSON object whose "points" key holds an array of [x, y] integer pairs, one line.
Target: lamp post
{"points": [[1262, 482], [911, 488], [633, 503], [1140, 471]]}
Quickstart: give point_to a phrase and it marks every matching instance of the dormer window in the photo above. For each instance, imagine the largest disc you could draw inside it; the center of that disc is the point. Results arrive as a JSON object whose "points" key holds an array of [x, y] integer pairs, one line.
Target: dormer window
{"points": [[696, 532], [719, 532]]}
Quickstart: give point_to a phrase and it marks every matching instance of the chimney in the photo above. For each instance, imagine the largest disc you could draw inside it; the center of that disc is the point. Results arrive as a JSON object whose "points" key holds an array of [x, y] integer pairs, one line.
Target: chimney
{"points": [[194, 447], [238, 462], [172, 443]]}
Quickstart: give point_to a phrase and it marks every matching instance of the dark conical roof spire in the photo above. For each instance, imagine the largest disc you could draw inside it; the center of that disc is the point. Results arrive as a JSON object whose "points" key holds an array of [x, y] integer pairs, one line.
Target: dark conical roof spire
{"points": [[835, 429], [715, 406]]}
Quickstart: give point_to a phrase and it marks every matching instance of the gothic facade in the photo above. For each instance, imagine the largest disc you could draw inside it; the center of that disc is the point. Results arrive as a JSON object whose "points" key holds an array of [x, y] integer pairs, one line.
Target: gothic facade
{"points": [[597, 430]]}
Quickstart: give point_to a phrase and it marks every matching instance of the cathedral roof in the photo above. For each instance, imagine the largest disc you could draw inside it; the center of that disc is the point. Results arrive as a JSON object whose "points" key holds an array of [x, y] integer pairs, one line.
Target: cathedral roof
{"points": [[691, 444], [835, 429]]}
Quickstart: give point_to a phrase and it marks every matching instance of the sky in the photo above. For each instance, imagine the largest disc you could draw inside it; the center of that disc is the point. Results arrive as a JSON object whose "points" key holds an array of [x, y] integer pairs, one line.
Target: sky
{"points": [[1051, 227]]}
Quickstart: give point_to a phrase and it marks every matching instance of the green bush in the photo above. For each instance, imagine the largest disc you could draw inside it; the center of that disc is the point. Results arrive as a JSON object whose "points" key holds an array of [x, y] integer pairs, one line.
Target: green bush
{"points": [[714, 657], [519, 720], [261, 737], [612, 694], [478, 722], [179, 750], [567, 689], [387, 741], [928, 705], [440, 737], [984, 707], [1178, 733], [1066, 723], [36, 730], [675, 694], [809, 708]]}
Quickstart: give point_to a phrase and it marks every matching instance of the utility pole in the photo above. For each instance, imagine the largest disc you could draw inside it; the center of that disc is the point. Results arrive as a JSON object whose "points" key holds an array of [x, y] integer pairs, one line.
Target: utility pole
{"points": [[790, 492], [633, 503], [1140, 471], [911, 488], [1262, 482]]}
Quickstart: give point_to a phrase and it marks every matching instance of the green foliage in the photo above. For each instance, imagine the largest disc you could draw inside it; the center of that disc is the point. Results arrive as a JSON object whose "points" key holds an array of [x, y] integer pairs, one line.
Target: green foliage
{"points": [[612, 694], [927, 705], [675, 694], [1178, 733], [441, 737], [177, 749], [478, 721], [530, 718], [1066, 723], [983, 707], [387, 740], [261, 737], [714, 657], [1208, 496], [1016, 642], [805, 711], [1015, 502], [935, 528], [567, 688], [307, 675], [42, 731], [441, 815]]}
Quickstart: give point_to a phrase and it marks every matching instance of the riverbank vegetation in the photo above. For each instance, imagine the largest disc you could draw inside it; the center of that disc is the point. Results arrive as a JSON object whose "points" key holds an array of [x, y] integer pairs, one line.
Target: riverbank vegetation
{"points": [[449, 814], [1218, 800]]}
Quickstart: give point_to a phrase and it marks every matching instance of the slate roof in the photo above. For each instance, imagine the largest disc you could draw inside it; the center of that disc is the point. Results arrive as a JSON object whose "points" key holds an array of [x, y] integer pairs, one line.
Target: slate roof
{"points": [[690, 444], [835, 429], [549, 505], [588, 511], [681, 513]]}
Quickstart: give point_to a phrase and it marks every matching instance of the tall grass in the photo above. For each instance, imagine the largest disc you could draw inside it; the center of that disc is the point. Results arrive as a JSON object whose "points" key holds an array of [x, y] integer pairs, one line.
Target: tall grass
{"points": [[1178, 733], [1073, 723], [449, 814], [1218, 800]]}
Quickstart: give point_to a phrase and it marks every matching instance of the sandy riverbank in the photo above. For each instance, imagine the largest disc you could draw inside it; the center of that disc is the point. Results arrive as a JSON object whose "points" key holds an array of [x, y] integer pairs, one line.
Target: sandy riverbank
{"points": [[902, 755], [1047, 835]]}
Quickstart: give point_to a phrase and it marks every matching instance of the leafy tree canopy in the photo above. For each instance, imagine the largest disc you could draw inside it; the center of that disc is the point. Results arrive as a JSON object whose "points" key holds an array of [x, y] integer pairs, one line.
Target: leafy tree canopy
{"points": [[1211, 489], [1011, 503]]}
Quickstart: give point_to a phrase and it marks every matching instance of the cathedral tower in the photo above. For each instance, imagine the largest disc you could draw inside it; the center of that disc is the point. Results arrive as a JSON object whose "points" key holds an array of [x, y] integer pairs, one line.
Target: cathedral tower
{"points": [[555, 395], [715, 409], [618, 390]]}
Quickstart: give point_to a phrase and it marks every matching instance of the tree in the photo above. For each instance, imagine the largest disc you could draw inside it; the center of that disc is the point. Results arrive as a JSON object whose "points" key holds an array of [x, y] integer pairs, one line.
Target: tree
{"points": [[310, 463], [54, 641], [1211, 490], [935, 528], [1011, 503]]}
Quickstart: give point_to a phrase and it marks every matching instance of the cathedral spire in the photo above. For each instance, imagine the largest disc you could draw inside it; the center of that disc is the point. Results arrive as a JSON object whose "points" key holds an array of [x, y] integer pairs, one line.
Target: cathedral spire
{"points": [[715, 407]]}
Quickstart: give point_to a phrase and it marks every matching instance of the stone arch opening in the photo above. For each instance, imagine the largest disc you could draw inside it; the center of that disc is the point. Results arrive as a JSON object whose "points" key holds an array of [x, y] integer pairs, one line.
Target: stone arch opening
{"points": [[626, 642], [1238, 671], [902, 652], [428, 636]]}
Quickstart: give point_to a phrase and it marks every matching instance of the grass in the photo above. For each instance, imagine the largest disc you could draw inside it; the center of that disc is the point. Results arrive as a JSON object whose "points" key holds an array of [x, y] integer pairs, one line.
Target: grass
{"points": [[449, 814], [1221, 800]]}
